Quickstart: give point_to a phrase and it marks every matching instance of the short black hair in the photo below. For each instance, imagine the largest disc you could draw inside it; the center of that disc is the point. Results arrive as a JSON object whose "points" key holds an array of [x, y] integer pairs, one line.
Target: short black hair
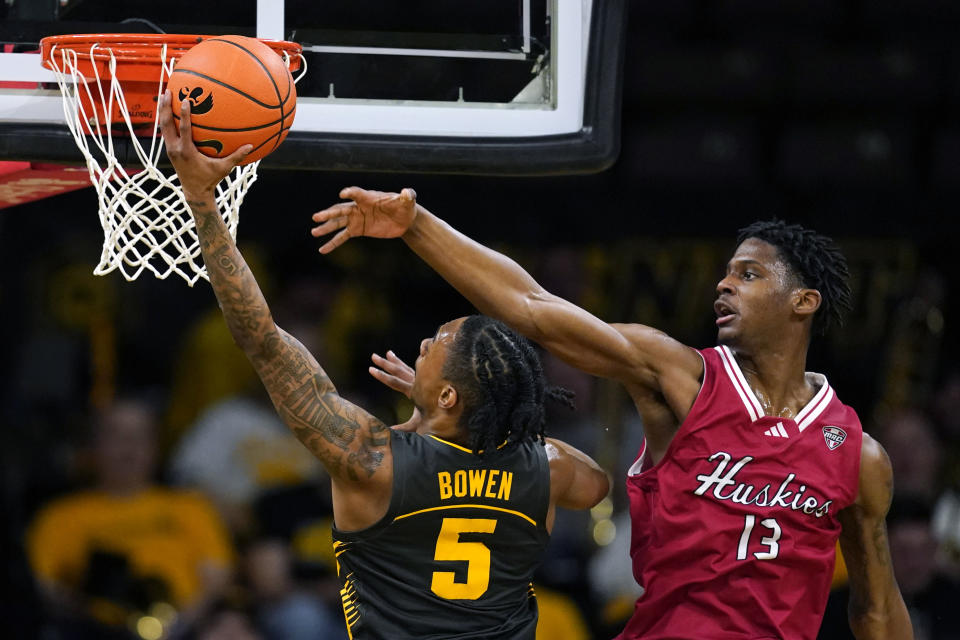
{"points": [[815, 260], [499, 378]]}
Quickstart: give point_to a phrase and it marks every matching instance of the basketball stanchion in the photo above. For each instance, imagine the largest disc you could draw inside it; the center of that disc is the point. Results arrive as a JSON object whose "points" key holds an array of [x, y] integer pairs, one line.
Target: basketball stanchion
{"points": [[111, 84]]}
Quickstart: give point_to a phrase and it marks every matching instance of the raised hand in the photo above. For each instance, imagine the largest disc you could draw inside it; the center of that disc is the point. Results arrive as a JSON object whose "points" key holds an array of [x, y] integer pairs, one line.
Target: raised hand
{"points": [[393, 372], [199, 174], [398, 375], [370, 213]]}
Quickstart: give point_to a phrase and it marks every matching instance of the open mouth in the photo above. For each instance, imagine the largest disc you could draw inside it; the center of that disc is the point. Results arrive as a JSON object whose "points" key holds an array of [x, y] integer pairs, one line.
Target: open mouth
{"points": [[725, 313]]}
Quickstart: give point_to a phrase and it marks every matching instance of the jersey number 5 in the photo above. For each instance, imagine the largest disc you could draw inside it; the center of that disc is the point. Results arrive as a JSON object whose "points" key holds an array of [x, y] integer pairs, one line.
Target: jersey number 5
{"points": [[475, 554]]}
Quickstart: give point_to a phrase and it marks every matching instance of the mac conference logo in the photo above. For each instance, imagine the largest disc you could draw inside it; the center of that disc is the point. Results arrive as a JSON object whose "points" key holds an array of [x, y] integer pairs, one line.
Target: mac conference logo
{"points": [[834, 437]]}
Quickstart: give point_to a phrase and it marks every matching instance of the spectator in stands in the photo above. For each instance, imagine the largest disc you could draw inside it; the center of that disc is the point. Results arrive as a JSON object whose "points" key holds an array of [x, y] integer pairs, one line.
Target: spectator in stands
{"points": [[291, 565], [611, 579], [227, 621], [946, 512], [560, 617], [930, 595], [286, 608], [127, 545], [921, 457], [237, 449], [915, 453]]}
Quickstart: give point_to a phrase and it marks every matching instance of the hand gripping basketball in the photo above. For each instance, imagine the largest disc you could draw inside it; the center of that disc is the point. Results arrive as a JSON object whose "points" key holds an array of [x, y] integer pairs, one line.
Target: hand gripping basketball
{"points": [[199, 174], [240, 91], [371, 213]]}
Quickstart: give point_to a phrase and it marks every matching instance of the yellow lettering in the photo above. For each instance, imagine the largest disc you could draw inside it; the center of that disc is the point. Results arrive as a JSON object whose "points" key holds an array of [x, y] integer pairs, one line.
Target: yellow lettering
{"points": [[460, 483], [475, 553], [490, 481], [476, 482], [506, 481], [445, 489]]}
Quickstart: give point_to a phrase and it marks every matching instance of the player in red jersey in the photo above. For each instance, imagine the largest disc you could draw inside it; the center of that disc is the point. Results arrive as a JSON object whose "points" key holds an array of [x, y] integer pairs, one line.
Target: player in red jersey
{"points": [[751, 467]]}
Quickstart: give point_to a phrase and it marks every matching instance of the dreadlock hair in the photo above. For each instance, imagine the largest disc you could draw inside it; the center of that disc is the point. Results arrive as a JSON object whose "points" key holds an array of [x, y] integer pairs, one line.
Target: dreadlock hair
{"points": [[500, 380], [815, 260]]}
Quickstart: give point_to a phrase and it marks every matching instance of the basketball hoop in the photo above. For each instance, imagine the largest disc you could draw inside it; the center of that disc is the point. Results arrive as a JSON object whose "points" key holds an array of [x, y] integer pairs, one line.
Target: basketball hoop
{"points": [[111, 85]]}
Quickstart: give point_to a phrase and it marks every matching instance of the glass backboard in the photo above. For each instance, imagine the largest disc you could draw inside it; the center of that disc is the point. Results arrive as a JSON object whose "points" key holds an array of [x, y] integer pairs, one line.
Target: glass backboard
{"points": [[511, 87]]}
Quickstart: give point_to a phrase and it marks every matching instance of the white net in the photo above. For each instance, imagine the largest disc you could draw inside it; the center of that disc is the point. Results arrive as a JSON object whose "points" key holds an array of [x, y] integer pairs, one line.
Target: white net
{"points": [[146, 222]]}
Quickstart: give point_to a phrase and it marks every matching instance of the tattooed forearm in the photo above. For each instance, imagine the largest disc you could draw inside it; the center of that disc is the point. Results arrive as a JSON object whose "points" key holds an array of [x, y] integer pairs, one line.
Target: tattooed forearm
{"points": [[223, 257], [284, 365], [318, 416], [200, 206], [312, 407], [206, 219], [243, 305], [332, 461], [880, 546], [348, 441]]}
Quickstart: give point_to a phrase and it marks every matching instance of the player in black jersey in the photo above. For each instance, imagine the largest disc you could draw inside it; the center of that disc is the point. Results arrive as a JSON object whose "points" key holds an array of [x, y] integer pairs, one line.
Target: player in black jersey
{"points": [[438, 525]]}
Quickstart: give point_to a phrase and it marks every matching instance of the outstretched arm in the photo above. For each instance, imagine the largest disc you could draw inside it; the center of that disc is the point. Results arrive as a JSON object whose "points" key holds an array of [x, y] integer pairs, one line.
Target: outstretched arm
{"points": [[576, 480], [353, 445], [876, 609], [633, 354]]}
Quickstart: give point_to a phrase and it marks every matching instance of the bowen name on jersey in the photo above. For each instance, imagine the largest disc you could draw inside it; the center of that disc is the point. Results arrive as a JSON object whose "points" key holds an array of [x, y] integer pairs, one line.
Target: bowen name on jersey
{"points": [[722, 484]]}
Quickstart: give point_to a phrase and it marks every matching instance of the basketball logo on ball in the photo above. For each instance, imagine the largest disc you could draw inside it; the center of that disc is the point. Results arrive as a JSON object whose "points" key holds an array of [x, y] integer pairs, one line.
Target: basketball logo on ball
{"points": [[197, 106], [240, 92]]}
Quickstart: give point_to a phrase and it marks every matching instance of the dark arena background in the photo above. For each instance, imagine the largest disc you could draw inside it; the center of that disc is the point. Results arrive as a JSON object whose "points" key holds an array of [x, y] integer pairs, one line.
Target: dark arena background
{"points": [[699, 117]]}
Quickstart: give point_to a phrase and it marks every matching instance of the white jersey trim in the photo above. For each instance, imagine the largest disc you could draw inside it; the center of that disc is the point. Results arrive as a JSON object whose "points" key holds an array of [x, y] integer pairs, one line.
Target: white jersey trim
{"points": [[817, 405], [637, 467], [753, 406], [821, 400]]}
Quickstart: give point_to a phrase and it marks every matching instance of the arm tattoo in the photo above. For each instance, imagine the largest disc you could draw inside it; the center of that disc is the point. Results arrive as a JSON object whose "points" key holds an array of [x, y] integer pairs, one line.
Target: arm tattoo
{"points": [[316, 414], [311, 407], [283, 366], [880, 546], [878, 536], [347, 440], [224, 260], [244, 308]]}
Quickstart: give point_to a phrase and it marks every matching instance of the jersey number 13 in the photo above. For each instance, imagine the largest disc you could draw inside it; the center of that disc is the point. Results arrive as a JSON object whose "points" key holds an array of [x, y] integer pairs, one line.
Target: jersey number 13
{"points": [[768, 538]]}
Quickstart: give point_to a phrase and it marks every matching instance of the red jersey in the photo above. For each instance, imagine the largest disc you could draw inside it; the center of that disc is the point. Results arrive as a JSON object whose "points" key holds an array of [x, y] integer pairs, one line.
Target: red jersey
{"points": [[734, 530]]}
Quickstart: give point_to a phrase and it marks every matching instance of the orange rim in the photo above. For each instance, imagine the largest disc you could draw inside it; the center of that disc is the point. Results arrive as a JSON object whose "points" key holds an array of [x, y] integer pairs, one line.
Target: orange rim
{"points": [[139, 57], [142, 48]]}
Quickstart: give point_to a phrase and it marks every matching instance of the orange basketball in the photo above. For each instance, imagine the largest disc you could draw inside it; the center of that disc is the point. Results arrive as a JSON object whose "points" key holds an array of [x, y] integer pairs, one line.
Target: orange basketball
{"points": [[240, 92]]}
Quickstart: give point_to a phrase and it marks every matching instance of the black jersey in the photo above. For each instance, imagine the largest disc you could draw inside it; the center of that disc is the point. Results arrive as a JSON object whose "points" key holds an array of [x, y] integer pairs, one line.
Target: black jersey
{"points": [[455, 554]]}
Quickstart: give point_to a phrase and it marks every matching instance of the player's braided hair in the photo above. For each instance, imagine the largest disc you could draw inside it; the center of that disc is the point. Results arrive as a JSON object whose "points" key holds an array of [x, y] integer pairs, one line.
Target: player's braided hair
{"points": [[500, 380], [815, 260]]}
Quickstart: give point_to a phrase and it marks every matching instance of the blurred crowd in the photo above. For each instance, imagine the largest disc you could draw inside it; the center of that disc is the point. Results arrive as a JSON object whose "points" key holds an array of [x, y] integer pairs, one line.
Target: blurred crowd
{"points": [[149, 490], [163, 498]]}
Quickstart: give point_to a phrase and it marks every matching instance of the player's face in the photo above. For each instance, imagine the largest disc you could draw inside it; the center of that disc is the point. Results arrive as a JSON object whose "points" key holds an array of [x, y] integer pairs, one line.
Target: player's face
{"points": [[428, 381], [755, 294]]}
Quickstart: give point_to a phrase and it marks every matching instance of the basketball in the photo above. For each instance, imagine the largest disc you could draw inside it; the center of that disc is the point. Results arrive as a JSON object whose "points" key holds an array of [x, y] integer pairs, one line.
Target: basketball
{"points": [[240, 92]]}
